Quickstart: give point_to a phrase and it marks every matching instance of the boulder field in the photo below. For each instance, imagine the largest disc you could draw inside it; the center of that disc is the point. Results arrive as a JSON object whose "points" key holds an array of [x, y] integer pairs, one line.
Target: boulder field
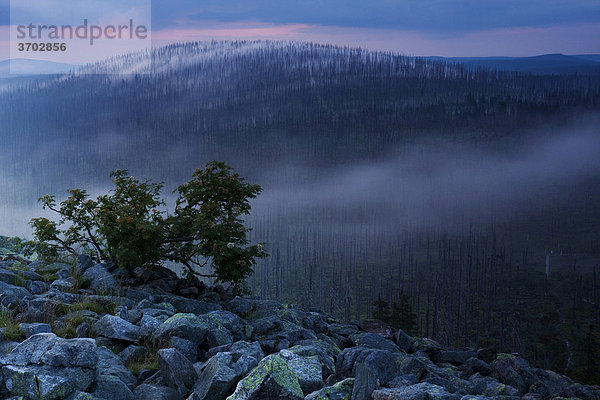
{"points": [[90, 331]]}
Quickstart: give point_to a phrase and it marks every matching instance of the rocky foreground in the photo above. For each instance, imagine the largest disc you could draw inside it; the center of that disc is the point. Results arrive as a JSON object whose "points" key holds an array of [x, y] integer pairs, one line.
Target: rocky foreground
{"points": [[86, 332]]}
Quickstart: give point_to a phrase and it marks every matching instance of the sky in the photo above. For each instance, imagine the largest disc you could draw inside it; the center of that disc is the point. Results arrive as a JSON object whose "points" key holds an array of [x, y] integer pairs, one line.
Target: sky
{"points": [[412, 27]]}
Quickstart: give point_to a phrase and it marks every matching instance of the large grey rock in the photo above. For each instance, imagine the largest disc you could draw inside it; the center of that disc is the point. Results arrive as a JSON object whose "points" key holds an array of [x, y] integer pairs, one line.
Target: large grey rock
{"points": [[112, 388], [100, 279], [177, 371], [308, 369], [340, 391], [160, 314], [45, 382], [10, 277], [149, 324], [11, 296], [365, 383], [185, 347], [385, 365], [512, 371], [456, 357], [114, 327], [36, 287], [241, 357], [218, 334], [186, 326], [491, 387], [51, 268], [186, 305], [271, 379], [49, 349], [72, 353], [216, 379], [31, 350], [474, 365], [273, 327], [420, 391], [249, 308], [231, 322], [154, 392], [82, 396], [109, 364], [240, 349], [324, 352], [374, 341]]}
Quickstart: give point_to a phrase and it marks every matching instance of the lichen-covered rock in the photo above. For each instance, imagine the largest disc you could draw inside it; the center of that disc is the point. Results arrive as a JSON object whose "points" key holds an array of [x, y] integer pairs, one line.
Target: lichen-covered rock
{"points": [[271, 379], [45, 382], [186, 326], [340, 391], [218, 334], [114, 327], [177, 371], [308, 369], [233, 323], [322, 350]]}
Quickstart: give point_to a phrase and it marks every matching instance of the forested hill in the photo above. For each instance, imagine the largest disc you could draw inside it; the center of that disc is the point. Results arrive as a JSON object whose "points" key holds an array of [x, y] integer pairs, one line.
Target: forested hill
{"points": [[247, 101]]}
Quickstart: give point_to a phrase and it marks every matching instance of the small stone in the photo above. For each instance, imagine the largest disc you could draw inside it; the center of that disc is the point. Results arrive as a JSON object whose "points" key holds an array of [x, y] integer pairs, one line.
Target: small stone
{"points": [[34, 328]]}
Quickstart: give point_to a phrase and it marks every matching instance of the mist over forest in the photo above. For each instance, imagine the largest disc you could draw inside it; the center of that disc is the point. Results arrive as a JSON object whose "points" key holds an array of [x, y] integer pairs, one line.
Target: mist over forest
{"points": [[384, 176]]}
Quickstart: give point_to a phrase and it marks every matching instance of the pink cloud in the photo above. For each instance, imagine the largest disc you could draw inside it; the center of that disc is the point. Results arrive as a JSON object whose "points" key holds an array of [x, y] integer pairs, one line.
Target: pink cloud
{"points": [[522, 41], [237, 30]]}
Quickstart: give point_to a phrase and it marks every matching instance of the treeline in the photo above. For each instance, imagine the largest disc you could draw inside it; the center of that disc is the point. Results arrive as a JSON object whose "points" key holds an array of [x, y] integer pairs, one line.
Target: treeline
{"points": [[256, 103]]}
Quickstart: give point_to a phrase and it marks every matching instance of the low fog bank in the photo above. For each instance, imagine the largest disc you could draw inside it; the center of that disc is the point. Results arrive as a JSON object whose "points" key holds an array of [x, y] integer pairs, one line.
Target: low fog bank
{"points": [[432, 185], [441, 185]]}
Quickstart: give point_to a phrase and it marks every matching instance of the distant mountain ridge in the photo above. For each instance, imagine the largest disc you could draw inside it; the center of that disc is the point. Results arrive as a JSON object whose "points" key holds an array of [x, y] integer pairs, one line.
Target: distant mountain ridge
{"points": [[543, 64], [25, 66]]}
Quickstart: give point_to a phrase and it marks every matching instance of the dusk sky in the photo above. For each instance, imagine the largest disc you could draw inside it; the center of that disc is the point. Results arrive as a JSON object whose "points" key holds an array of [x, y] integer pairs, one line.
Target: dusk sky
{"points": [[413, 27]]}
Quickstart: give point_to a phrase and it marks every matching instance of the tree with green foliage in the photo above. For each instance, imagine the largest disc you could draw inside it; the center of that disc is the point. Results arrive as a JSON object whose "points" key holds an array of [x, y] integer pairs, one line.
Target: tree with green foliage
{"points": [[130, 226]]}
